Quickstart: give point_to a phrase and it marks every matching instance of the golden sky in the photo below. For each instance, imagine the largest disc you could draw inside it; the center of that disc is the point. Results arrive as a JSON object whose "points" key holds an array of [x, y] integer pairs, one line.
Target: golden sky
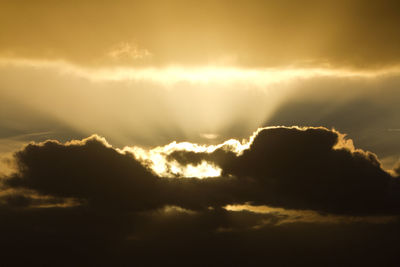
{"points": [[351, 33], [251, 132], [152, 72]]}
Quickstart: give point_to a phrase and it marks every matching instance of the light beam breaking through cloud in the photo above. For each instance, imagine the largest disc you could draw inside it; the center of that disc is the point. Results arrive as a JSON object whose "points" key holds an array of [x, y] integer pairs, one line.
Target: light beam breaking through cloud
{"points": [[192, 159]]}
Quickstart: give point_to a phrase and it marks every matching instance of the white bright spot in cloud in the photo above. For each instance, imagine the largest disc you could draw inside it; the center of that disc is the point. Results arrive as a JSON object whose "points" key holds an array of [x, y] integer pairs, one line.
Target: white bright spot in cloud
{"points": [[157, 159]]}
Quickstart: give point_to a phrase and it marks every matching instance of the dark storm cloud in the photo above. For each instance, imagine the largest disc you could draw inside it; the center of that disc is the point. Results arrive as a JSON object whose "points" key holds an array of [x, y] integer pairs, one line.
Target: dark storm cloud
{"points": [[284, 167]]}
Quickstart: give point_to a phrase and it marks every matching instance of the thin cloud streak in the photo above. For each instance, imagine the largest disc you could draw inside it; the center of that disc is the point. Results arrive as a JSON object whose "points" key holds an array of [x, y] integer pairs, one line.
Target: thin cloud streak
{"points": [[174, 74]]}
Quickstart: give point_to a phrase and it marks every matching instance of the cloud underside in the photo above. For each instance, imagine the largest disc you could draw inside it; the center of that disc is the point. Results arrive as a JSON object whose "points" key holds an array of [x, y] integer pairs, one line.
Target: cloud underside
{"points": [[290, 186], [256, 33]]}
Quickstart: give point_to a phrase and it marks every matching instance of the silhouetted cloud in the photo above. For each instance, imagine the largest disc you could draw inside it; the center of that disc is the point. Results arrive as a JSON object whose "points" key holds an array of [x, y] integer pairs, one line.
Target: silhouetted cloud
{"points": [[283, 167], [86, 203], [397, 168], [84, 237], [303, 169], [89, 170]]}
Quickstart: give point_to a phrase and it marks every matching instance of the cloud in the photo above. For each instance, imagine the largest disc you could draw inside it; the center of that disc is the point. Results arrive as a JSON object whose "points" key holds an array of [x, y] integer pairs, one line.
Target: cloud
{"points": [[82, 237], [129, 51], [397, 169], [255, 33], [89, 170], [100, 205], [306, 169], [145, 73], [295, 168], [232, 102]]}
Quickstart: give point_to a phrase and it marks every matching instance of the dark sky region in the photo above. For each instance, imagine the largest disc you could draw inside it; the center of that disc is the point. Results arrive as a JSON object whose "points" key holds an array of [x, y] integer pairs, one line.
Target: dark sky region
{"points": [[199, 133]]}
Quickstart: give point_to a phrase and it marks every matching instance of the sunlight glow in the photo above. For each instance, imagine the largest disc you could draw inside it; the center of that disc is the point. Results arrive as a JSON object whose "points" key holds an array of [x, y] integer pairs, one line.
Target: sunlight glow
{"points": [[156, 159], [208, 74], [201, 103]]}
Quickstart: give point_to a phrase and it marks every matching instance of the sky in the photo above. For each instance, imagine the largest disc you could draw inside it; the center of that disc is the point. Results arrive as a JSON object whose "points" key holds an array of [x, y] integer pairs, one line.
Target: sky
{"points": [[196, 133]]}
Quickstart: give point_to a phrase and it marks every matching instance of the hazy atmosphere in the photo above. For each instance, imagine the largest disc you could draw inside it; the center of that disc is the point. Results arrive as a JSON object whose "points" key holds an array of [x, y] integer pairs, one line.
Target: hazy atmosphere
{"points": [[200, 133]]}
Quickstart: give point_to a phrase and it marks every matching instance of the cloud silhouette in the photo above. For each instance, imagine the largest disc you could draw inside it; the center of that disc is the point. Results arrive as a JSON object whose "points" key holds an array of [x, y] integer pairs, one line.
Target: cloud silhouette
{"points": [[85, 203], [303, 169], [296, 168], [397, 169]]}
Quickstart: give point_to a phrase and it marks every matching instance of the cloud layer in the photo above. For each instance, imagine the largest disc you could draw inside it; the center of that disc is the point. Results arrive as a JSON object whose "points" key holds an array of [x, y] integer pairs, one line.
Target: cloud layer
{"points": [[295, 168], [101, 205], [256, 33]]}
